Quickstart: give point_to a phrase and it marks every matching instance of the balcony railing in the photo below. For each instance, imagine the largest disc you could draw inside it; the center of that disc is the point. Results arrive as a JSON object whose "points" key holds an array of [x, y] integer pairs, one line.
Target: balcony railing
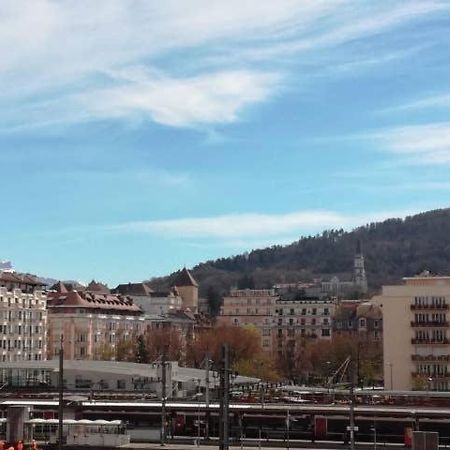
{"points": [[429, 323], [433, 376], [430, 358], [431, 306], [429, 341]]}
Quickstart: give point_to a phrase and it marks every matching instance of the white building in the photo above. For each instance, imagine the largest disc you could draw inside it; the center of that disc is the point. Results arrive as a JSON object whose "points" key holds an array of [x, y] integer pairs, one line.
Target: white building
{"points": [[23, 318], [308, 318]]}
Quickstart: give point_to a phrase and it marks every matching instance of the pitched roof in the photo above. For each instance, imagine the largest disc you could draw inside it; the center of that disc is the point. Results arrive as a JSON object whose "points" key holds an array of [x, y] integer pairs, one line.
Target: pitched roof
{"points": [[59, 287], [345, 312], [369, 311], [184, 278], [21, 278], [96, 286], [108, 302], [134, 289]]}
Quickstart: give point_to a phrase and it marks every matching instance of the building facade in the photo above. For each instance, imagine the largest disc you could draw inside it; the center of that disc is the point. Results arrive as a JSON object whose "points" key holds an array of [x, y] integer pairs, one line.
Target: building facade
{"points": [[361, 320], [251, 307], [23, 318], [416, 333], [92, 325], [296, 319]]}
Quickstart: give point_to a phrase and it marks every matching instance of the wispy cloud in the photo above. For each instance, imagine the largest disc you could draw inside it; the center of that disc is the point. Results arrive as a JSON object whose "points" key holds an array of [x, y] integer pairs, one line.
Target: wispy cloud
{"points": [[206, 99], [81, 63], [433, 101], [424, 144], [233, 227]]}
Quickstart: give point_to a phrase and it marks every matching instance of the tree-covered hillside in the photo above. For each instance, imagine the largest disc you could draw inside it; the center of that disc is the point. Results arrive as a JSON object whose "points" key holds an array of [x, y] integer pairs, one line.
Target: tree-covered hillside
{"points": [[392, 249]]}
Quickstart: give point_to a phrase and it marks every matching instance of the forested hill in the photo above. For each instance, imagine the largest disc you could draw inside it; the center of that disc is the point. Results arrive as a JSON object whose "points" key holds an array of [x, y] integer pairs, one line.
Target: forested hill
{"points": [[392, 249]]}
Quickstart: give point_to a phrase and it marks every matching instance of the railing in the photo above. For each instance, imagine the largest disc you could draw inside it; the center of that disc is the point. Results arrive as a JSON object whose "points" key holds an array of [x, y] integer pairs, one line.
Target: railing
{"points": [[429, 341], [429, 323], [430, 357], [432, 306], [434, 376]]}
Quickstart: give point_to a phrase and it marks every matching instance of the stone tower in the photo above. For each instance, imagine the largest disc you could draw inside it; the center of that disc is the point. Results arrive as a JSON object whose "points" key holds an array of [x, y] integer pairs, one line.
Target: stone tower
{"points": [[360, 278], [187, 287]]}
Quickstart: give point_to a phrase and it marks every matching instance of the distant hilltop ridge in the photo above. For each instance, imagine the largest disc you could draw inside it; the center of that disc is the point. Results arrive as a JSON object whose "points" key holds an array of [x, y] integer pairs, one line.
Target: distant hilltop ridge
{"points": [[392, 249]]}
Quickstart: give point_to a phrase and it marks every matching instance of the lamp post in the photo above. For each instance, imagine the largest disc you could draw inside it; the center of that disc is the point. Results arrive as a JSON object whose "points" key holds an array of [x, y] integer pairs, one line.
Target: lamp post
{"points": [[61, 394], [224, 433], [198, 412], [374, 429], [328, 379], [288, 422], [430, 385], [163, 365], [392, 379], [207, 366]]}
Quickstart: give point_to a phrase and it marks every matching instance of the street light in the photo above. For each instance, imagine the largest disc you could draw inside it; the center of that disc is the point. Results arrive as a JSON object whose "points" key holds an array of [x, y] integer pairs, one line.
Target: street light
{"points": [[198, 411], [208, 363], [392, 379], [374, 429], [61, 394], [163, 364], [328, 363]]}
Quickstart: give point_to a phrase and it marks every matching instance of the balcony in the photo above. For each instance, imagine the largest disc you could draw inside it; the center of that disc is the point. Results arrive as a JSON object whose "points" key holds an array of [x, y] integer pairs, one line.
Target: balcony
{"points": [[442, 306], [429, 324], [433, 376], [429, 341], [430, 358]]}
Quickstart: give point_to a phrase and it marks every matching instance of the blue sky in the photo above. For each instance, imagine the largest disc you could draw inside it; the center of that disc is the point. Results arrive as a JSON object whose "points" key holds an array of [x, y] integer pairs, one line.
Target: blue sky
{"points": [[140, 136]]}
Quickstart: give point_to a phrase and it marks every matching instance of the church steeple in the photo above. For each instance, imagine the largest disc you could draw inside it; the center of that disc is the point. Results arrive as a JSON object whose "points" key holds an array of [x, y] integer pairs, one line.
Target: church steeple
{"points": [[360, 278]]}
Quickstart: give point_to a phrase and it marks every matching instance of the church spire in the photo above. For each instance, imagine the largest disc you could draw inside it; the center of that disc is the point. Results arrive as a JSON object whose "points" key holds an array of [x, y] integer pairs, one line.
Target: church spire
{"points": [[360, 278]]}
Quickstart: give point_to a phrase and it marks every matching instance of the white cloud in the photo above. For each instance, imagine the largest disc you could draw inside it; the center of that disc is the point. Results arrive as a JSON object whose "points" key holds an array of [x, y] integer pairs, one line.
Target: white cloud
{"points": [[428, 144], [441, 100], [212, 98], [233, 227], [60, 60]]}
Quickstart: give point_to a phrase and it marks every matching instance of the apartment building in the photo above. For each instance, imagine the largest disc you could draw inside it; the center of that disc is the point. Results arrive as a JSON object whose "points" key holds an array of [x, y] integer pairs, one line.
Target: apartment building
{"points": [[294, 319], [92, 323], [359, 319], [23, 318], [251, 307], [416, 333]]}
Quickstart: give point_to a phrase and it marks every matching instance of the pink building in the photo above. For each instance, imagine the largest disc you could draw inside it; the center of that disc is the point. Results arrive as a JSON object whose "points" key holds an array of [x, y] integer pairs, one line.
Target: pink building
{"points": [[91, 323]]}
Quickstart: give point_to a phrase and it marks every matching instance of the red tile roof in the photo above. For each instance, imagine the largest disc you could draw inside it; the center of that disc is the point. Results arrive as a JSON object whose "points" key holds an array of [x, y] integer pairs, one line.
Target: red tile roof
{"points": [[106, 302], [20, 278]]}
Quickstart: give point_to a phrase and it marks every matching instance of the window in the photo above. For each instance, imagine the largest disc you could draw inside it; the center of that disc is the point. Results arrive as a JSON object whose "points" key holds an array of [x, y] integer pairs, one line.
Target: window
{"points": [[375, 324], [325, 332], [362, 323]]}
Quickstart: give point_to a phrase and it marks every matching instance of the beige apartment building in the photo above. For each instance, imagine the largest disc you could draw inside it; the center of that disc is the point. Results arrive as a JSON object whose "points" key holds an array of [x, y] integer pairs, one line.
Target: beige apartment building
{"points": [[92, 323], [251, 307], [306, 318], [23, 318], [416, 333]]}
